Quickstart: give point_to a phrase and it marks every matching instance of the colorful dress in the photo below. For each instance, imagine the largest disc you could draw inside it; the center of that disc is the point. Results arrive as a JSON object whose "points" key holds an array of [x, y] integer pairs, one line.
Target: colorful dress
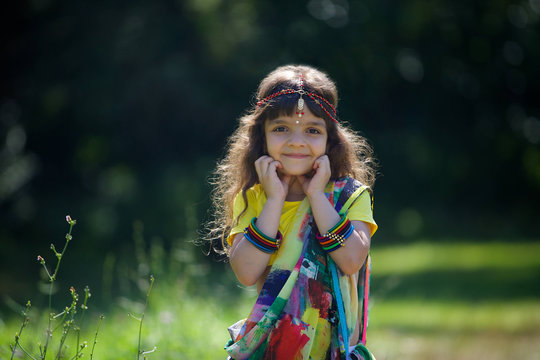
{"points": [[307, 308]]}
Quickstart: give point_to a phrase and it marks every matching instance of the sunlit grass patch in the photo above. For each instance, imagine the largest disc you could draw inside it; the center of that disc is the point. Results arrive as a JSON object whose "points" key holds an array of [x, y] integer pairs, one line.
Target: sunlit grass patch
{"points": [[391, 344], [455, 301], [424, 256], [435, 316], [180, 323]]}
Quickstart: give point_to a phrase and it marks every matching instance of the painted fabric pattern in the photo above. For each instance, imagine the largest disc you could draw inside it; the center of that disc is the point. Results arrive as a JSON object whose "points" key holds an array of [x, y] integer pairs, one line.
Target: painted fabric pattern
{"points": [[296, 315]]}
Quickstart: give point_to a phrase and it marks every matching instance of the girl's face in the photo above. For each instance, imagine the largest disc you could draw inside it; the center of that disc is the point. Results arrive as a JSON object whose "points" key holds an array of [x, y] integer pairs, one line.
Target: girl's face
{"points": [[296, 142]]}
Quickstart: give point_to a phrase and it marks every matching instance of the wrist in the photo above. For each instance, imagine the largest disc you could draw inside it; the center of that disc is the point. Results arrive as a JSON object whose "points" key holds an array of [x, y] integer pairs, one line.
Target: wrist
{"points": [[275, 201], [316, 195]]}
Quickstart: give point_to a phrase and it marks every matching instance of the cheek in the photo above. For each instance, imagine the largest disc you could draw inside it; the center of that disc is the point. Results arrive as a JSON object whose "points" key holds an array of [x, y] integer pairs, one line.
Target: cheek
{"points": [[323, 147], [272, 146]]}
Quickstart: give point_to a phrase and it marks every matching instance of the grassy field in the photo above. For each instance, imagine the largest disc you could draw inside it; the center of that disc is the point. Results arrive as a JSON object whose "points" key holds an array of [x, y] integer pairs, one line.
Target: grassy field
{"points": [[429, 301], [456, 301]]}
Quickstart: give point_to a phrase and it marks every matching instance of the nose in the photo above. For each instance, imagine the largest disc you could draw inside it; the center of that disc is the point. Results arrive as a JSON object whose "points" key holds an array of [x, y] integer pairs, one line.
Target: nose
{"points": [[297, 138]]}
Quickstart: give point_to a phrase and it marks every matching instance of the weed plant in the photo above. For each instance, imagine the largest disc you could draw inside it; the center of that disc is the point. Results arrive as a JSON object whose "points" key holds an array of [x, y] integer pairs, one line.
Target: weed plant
{"points": [[61, 325]]}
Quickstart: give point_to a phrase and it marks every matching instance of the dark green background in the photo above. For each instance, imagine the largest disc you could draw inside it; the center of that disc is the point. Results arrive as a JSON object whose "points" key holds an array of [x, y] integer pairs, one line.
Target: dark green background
{"points": [[115, 112]]}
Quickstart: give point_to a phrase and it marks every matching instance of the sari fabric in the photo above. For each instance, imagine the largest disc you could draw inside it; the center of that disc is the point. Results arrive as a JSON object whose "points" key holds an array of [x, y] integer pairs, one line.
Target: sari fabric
{"points": [[297, 314]]}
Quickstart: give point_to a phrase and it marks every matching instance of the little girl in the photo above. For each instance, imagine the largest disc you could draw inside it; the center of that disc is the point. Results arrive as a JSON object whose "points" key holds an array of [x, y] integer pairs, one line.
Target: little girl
{"points": [[293, 202]]}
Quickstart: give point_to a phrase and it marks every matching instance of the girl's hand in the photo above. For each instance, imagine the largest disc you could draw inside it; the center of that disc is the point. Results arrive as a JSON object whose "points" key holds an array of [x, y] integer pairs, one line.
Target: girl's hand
{"points": [[320, 178], [273, 186]]}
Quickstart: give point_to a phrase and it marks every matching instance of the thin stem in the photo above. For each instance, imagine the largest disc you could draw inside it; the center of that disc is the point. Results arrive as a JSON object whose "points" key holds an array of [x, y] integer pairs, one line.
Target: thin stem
{"points": [[139, 352], [95, 336], [23, 325], [68, 239], [76, 356], [69, 323], [49, 331], [52, 278], [49, 335], [47, 271], [26, 352], [67, 327], [84, 308]]}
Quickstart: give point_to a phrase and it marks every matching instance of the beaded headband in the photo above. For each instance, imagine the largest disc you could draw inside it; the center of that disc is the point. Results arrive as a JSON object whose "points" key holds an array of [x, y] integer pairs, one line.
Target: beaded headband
{"points": [[300, 105]]}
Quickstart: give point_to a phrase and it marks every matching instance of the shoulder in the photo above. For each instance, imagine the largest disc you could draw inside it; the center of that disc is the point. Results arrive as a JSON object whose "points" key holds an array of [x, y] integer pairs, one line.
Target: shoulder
{"points": [[350, 187], [254, 195], [255, 192], [358, 202], [348, 181]]}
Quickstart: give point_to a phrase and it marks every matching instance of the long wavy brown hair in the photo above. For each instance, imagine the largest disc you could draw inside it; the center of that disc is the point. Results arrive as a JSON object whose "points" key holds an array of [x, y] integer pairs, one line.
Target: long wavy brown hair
{"points": [[349, 153]]}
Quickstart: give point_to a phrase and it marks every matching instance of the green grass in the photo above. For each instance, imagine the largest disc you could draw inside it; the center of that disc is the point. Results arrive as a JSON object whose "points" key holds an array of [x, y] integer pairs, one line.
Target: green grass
{"points": [[179, 325], [429, 301], [515, 317], [456, 301], [430, 256]]}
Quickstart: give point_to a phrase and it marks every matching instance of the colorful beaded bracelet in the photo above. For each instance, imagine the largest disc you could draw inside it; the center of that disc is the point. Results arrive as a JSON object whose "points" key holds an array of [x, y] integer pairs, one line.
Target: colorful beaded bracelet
{"points": [[336, 236], [260, 240]]}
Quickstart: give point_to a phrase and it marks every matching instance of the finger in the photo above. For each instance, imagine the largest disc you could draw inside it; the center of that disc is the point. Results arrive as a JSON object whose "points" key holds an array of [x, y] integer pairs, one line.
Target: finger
{"points": [[273, 170], [258, 169], [263, 160], [261, 165], [273, 166], [323, 162], [317, 165], [327, 165], [326, 161]]}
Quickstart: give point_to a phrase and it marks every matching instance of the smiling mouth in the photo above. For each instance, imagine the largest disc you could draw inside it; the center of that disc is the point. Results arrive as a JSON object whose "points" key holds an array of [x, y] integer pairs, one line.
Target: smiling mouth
{"points": [[296, 156]]}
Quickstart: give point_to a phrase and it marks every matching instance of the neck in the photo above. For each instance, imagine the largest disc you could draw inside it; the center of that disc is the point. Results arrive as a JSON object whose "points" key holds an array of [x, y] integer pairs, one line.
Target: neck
{"points": [[296, 192]]}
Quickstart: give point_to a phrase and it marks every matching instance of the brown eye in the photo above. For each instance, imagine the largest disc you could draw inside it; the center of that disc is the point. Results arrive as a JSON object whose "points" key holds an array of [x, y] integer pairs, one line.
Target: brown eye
{"points": [[279, 129]]}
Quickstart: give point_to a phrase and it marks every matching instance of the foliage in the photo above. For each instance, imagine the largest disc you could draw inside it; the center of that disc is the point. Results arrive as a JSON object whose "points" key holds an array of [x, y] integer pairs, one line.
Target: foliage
{"points": [[118, 112], [67, 318]]}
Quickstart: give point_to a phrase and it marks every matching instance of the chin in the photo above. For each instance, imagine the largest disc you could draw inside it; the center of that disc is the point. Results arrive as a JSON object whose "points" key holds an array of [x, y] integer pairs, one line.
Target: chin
{"points": [[297, 171]]}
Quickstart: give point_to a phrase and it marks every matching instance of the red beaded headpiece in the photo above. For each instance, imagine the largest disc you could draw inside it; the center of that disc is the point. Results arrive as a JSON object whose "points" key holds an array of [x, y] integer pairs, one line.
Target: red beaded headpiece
{"points": [[300, 105]]}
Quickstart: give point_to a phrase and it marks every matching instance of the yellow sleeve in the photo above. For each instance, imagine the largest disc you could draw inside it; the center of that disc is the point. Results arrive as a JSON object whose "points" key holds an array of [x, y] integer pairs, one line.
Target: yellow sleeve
{"points": [[361, 210], [251, 211]]}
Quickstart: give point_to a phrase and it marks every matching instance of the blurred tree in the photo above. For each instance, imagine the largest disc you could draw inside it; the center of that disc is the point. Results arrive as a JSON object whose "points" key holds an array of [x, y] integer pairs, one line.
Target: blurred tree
{"points": [[116, 112]]}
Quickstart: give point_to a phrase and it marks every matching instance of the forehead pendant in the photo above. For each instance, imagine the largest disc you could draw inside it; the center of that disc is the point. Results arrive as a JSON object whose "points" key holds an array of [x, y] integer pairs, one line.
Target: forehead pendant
{"points": [[300, 105], [328, 108]]}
